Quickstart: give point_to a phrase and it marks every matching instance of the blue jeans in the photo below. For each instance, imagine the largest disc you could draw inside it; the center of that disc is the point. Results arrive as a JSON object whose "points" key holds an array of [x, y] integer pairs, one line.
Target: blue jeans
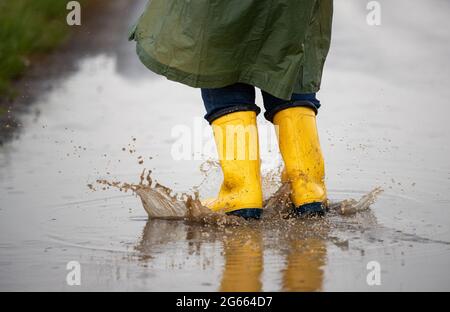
{"points": [[241, 97]]}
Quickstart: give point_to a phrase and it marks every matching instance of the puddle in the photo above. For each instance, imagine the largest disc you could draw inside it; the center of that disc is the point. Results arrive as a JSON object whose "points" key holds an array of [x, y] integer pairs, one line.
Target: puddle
{"points": [[81, 126]]}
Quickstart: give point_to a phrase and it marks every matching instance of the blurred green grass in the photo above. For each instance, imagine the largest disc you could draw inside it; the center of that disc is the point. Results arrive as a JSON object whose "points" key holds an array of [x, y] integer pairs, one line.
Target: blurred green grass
{"points": [[27, 28]]}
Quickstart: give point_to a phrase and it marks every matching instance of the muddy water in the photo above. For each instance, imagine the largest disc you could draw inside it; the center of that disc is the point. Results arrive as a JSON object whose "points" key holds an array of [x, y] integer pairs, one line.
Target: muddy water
{"points": [[384, 122]]}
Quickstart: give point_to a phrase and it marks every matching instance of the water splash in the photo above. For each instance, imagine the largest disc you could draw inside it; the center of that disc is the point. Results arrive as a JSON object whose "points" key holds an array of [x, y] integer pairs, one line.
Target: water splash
{"points": [[160, 202], [352, 206]]}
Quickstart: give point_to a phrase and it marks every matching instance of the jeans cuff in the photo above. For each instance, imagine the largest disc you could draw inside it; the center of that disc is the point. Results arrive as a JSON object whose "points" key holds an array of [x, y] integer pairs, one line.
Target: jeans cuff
{"points": [[271, 113], [210, 117]]}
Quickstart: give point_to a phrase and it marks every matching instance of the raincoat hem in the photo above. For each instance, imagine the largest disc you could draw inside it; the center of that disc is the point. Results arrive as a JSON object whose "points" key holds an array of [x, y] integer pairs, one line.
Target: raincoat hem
{"points": [[247, 76]]}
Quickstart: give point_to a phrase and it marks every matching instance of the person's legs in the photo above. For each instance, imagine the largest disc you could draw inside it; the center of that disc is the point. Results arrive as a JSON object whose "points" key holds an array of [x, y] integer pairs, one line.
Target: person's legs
{"points": [[232, 113], [234, 98], [299, 145], [273, 104]]}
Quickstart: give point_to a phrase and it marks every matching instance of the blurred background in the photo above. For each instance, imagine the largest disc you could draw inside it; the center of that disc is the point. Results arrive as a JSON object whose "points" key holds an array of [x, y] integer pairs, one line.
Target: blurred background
{"points": [[76, 106]]}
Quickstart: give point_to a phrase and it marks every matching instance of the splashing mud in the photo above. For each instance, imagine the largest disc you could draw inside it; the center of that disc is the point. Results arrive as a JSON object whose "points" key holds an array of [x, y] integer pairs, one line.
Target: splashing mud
{"points": [[160, 202]]}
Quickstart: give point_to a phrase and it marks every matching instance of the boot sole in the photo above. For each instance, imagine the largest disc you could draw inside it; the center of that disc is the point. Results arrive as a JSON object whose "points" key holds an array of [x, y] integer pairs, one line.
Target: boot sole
{"points": [[247, 213], [310, 210]]}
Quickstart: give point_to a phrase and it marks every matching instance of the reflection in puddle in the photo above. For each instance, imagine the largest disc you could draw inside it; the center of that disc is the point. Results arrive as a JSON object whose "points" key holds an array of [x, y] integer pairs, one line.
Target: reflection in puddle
{"points": [[243, 250], [304, 265], [299, 245]]}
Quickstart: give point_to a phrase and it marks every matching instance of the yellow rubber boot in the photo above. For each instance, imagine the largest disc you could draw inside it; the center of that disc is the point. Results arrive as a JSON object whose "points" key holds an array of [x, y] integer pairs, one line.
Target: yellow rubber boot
{"points": [[304, 164], [236, 137]]}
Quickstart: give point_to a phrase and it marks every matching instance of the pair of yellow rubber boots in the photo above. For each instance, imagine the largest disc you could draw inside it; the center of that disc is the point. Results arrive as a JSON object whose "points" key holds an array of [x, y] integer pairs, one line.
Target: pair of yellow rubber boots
{"points": [[236, 137]]}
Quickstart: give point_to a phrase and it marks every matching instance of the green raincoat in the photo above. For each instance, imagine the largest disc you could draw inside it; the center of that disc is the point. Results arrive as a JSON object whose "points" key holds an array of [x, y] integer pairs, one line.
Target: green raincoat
{"points": [[279, 46]]}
